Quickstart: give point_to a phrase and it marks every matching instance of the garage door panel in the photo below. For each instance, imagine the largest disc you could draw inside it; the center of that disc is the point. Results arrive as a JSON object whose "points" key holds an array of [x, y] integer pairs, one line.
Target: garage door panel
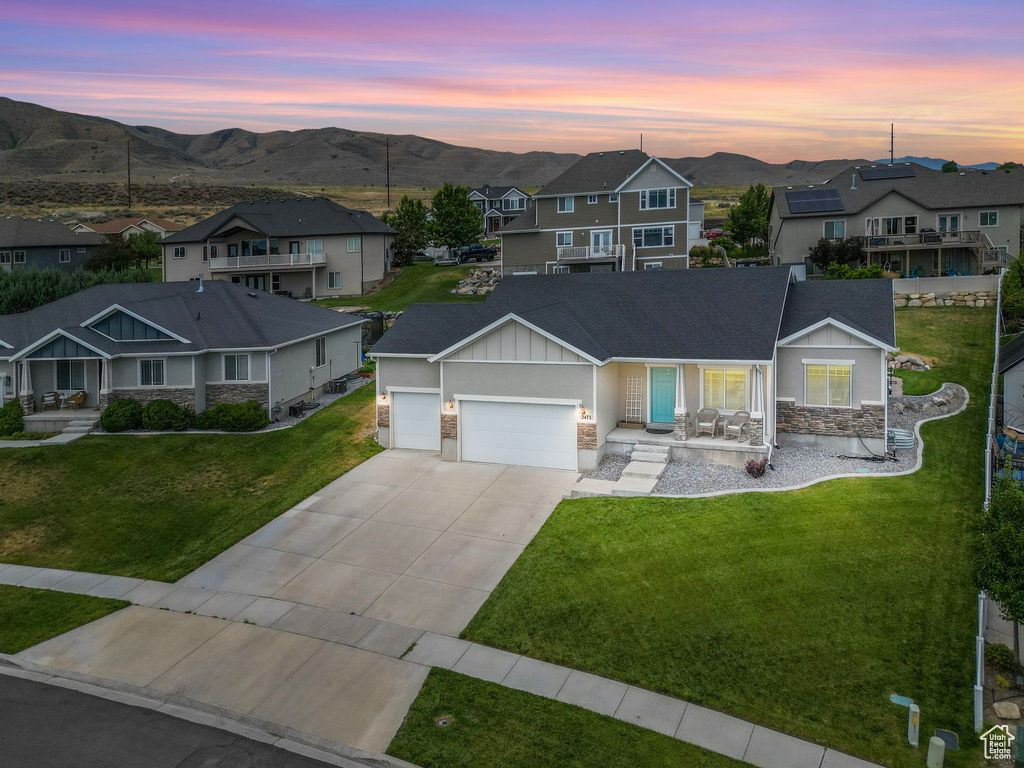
{"points": [[417, 420], [527, 434]]}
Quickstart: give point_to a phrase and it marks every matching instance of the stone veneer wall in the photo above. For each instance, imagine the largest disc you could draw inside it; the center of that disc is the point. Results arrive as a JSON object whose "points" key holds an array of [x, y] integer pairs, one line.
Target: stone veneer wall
{"points": [[28, 404], [867, 421], [755, 432], [449, 426], [681, 431], [236, 393], [953, 299], [383, 416], [185, 398], [586, 435]]}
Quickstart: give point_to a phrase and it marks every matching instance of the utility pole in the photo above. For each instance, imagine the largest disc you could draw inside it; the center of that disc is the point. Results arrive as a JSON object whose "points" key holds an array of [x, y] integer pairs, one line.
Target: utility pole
{"points": [[129, 152], [641, 142], [387, 161], [892, 143]]}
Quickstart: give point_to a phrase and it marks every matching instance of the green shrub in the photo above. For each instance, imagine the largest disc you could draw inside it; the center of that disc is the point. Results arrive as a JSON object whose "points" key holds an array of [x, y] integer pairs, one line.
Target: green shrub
{"points": [[163, 416], [704, 252], [121, 415], [837, 271], [11, 418], [233, 417], [999, 657]]}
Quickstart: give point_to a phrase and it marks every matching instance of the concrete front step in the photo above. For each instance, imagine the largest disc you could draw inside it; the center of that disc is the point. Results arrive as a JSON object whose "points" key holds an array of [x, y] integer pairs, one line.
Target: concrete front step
{"points": [[83, 429], [634, 486], [589, 487], [656, 458], [643, 469], [83, 423]]}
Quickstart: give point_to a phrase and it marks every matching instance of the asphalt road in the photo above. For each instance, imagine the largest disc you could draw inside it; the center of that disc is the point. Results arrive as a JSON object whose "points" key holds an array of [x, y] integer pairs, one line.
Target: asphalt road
{"points": [[45, 726]]}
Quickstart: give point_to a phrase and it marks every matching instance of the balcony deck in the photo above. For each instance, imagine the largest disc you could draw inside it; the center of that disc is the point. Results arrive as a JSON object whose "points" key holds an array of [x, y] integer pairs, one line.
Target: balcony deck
{"points": [[276, 261], [922, 240], [576, 253]]}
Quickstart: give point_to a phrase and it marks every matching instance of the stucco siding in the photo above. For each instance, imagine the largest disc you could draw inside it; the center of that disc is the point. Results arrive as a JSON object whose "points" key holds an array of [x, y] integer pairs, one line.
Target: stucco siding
{"points": [[866, 374], [570, 382], [177, 371], [291, 377], [407, 372], [215, 367], [607, 412]]}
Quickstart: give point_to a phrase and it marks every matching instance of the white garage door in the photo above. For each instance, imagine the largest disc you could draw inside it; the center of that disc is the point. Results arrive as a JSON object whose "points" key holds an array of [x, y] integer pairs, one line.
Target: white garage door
{"points": [[416, 420], [527, 434]]}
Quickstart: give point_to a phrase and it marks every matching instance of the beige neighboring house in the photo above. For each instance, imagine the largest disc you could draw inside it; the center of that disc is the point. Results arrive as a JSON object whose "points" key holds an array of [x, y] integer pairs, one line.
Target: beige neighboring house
{"points": [[128, 227], [610, 212], [912, 220], [305, 247]]}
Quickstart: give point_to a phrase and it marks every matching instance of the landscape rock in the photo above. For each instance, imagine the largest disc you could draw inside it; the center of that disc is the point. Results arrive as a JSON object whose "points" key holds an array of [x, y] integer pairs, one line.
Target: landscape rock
{"points": [[930, 409], [1006, 710]]}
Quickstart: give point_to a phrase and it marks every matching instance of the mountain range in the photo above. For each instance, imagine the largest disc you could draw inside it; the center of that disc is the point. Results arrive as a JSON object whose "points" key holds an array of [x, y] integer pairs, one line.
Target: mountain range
{"points": [[936, 163], [40, 143]]}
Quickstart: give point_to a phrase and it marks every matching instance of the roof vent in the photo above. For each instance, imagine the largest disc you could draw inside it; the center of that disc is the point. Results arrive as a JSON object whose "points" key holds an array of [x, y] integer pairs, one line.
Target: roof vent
{"points": [[622, 152], [962, 173], [200, 289], [253, 295], [853, 182], [600, 154]]}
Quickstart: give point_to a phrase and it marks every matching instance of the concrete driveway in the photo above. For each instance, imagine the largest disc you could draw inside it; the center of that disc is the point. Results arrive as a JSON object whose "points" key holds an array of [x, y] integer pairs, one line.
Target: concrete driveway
{"points": [[304, 622]]}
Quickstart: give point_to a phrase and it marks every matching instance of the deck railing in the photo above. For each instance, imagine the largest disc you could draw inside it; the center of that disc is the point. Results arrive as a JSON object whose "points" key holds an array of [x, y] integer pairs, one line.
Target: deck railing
{"points": [[580, 252], [921, 239], [269, 260]]}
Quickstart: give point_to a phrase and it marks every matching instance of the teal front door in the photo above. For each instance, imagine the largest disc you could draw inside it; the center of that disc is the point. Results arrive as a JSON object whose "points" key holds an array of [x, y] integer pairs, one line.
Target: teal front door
{"points": [[663, 395]]}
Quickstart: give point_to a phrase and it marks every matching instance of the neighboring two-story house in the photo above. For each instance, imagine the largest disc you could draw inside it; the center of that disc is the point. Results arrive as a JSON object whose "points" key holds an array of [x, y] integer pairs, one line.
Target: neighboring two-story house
{"points": [[499, 205], [305, 247], [128, 227], [611, 211], [44, 244], [909, 218]]}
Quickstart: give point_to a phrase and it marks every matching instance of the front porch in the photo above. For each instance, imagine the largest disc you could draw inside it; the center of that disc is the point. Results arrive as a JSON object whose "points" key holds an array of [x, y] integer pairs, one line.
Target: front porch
{"points": [[58, 421], [703, 448]]}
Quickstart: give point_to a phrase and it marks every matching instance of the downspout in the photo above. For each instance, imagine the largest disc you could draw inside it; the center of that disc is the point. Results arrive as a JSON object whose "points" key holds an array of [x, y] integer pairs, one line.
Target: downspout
{"points": [[270, 379]]}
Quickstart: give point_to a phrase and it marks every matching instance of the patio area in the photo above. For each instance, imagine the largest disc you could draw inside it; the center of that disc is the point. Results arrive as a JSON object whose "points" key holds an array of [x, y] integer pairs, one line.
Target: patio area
{"points": [[716, 450]]}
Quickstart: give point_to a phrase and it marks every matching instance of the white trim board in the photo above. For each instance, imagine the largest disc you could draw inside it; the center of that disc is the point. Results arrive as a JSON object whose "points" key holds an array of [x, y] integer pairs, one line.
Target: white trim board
{"points": [[841, 326], [510, 317], [118, 308]]}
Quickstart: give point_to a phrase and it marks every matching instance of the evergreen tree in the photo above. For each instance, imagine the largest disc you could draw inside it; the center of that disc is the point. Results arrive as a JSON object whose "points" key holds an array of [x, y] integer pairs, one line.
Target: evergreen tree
{"points": [[748, 219], [950, 166]]}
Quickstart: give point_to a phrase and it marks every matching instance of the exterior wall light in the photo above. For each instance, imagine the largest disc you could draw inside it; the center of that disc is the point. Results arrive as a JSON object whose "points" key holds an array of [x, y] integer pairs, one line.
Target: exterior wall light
{"points": [[451, 405], [383, 397]]}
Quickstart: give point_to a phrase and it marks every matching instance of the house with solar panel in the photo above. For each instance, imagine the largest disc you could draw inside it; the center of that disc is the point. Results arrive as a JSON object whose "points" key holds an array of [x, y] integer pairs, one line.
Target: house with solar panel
{"points": [[499, 205], [610, 212], [912, 220]]}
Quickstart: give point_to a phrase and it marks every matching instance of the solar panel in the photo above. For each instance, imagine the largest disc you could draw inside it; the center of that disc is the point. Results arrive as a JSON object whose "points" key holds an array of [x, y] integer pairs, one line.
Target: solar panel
{"points": [[887, 172], [813, 200]]}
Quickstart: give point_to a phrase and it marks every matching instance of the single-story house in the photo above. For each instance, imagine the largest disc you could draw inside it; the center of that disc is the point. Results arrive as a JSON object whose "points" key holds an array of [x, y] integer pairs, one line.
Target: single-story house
{"points": [[128, 227], [194, 343], [44, 244], [557, 370]]}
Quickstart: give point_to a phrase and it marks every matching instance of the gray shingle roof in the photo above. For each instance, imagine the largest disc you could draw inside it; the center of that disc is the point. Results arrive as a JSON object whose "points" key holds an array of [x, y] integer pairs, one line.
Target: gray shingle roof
{"points": [[16, 232], [596, 172], [1011, 353], [289, 217], [495, 193], [864, 305], [525, 221], [929, 188], [223, 316]]}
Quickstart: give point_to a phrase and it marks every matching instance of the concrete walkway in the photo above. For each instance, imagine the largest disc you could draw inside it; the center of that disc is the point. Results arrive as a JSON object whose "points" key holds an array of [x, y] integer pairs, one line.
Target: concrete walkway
{"points": [[328, 619]]}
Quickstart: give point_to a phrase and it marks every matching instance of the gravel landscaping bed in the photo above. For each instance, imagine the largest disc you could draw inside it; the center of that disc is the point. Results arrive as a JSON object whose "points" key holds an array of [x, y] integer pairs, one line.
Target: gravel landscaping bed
{"points": [[796, 464]]}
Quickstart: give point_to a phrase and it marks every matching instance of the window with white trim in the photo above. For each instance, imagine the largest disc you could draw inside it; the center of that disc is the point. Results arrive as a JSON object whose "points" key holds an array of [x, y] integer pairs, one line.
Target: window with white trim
{"points": [[205, 253], [652, 265], [657, 198], [334, 280], [314, 246], [828, 385], [65, 255], [724, 389], [560, 269], [835, 230], [563, 238], [613, 197], [653, 237], [566, 204], [213, 251], [70, 375], [236, 367], [988, 219], [5, 257], [591, 199], [151, 373], [19, 257], [275, 281], [179, 251], [321, 351], [515, 204], [910, 225], [353, 245]]}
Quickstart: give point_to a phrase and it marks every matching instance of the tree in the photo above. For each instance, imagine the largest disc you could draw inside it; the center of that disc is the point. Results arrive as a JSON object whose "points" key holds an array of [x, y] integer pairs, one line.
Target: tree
{"points": [[999, 552], [146, 247], [748, 219], [950, 166], [410, 224], [827, 252], [1006, 167], [116, 253], [455, 220]]}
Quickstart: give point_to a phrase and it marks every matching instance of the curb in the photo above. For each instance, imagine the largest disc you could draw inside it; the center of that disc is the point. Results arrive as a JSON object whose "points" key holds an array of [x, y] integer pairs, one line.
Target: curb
{"points": [[248, 727]]}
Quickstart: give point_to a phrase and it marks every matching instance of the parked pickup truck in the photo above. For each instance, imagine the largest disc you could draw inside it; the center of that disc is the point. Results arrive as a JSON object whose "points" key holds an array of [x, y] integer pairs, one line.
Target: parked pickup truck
{"points": [[476, 252]]}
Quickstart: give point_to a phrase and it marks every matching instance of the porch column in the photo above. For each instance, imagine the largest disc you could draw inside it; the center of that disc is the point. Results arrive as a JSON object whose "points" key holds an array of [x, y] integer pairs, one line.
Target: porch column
{"points": [[105, 388], [28, 402], [756, 432], [682, 415]]}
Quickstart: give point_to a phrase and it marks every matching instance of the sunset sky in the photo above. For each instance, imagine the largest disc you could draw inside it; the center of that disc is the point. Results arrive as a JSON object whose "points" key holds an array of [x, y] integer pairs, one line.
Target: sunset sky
{"points": [[780, 81]]}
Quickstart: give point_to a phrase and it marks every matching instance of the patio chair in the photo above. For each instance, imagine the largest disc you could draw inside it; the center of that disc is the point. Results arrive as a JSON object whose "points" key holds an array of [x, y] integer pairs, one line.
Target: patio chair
{"points": [[707, 421], [734, 426], [49, 401], [74, 400]]}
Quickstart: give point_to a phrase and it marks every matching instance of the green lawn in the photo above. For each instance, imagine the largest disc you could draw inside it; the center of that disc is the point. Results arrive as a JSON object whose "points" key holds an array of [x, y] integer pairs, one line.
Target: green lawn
{"points": [[157, 507], [420, 283], [495, 727], [803, 610], [29, 616]]}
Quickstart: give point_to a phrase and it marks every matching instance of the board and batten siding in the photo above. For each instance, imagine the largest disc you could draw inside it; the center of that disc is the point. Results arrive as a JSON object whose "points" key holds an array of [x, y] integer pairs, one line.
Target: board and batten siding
{"points": [[515, 342], [831, 343]]}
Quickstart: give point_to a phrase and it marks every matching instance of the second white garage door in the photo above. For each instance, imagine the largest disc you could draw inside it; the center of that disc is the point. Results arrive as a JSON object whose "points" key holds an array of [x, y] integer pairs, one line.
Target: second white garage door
{"points": [[526, 434], [416, 421]]}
